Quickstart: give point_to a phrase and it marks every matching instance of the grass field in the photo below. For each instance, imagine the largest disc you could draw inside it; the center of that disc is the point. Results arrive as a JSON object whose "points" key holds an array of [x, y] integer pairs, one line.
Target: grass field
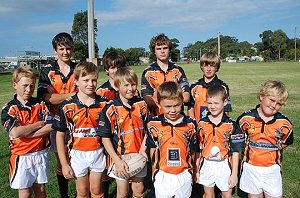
{"points": [[244, 80]]}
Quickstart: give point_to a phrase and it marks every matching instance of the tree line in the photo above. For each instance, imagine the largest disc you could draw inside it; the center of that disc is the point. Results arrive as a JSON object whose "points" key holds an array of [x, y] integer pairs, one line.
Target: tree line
{"points": [[272, 47]]}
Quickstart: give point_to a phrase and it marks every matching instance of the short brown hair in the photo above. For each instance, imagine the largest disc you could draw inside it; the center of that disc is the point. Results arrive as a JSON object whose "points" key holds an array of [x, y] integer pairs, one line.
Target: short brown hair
{"points": [[85, 68], [169, 90], [159, 40], [216, 90], [23, 72], [64, 39], [125, 74], [210, 58], [113, 59]]}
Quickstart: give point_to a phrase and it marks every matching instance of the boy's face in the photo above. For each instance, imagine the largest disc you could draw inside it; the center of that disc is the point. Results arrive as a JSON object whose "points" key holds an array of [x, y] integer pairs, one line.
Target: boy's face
{"points": [[215, 105], [162, 52], [209, 70], [24, 88], [269, 105], [87, 84], [127, 90], [111, 72], [64, 53], [171, 108]]}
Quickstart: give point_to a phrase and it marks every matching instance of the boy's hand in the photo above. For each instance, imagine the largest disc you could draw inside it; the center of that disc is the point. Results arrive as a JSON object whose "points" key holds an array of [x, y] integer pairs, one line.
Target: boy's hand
{"points": [[233, 181], [121, 169], [143, 153], [68, 172]]}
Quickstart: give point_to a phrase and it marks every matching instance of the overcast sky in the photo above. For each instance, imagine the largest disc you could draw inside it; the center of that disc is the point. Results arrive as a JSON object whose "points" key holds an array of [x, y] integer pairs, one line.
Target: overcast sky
{"points": [[31, 24]]}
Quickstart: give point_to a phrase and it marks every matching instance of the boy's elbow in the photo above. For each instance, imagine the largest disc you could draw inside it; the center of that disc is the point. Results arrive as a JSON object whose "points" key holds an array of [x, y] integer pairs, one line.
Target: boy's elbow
{"points": [[186, 97]]}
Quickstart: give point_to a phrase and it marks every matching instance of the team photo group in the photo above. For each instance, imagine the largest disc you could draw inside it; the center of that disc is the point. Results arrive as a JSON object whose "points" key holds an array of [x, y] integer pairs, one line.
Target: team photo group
{"points": [[158, 126]]}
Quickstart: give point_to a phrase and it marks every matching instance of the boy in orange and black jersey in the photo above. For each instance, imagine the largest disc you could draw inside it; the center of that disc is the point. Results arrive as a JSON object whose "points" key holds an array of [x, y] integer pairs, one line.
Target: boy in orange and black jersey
{"points": [[171, 137], [112, 61], [24, 118], [160, 71], [197, 107], [76, 121], [221, 140], [267, 132], [121, 127], [56, 83]]}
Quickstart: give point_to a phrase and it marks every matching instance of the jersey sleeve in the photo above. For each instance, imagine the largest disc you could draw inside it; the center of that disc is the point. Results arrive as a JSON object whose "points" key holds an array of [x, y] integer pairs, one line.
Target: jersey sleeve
{"points": [[59, 122], [194, 142], [106, 121], [183, 81], [228, 106], [237, 139], [8, 119], [44, 82], [191, 103], [152, 138], [287, 131], [146, 88]]}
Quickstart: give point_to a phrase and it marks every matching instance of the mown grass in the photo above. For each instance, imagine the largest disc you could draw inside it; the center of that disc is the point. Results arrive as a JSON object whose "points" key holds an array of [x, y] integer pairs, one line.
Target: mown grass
{"points": [[244, 80]]}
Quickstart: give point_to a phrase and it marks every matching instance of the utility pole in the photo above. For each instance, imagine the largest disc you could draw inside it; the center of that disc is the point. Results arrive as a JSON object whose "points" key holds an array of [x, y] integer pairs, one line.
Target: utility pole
{"points": [[91, 36], [219, 45], [295, 43]]}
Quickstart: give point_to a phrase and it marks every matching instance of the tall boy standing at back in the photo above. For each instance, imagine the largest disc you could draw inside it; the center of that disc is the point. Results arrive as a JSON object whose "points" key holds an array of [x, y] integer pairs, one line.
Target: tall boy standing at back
{"points": [[160, 71], [24, 118], [56, 83], [209, 64], [268, 132]]}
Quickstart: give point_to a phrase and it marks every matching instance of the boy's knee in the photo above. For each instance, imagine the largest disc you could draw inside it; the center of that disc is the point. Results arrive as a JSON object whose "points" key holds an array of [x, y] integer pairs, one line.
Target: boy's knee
{"points": [[101, 195]]}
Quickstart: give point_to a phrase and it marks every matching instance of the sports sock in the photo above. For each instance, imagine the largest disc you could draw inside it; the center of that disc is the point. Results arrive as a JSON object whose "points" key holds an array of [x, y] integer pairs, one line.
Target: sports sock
{"points": [[105, 188], [63, 186]]}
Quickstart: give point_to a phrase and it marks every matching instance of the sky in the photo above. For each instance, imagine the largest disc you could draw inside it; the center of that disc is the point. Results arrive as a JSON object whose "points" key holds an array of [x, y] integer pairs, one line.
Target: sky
{"points": [[30, 25]]}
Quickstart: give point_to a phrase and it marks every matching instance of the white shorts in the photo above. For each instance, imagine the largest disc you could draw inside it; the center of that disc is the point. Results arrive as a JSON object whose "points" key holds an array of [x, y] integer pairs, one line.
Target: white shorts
{"points": [[258, 179], [29, 169], [215, 173], [167, 185], [142, 173], [83, 161]]}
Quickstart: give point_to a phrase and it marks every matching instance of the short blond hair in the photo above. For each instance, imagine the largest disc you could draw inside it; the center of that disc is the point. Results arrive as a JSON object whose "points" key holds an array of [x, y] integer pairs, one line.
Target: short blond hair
{"points": [[210, 58], [276, 89], [169, 90], [125, 74], [21, 72], [84, 69]]}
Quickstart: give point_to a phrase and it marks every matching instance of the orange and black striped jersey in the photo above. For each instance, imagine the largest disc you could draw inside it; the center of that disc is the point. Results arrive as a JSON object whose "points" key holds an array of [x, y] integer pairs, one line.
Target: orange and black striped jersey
{"points": [[79, 122], [108, 92], [218, 142], [265, 140], [153, 76], [124, 125], [198, 101], [173, 143], [51, 76], [15, 114]]}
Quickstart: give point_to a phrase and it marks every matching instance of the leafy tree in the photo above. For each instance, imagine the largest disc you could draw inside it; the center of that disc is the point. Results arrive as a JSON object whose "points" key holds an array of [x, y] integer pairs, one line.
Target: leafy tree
{"points": [[80, 35], [175, 53], [133, 55], [279, 41]]}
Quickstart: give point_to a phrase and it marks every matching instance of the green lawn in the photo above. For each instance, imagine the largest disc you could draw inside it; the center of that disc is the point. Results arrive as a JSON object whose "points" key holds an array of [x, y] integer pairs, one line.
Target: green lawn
{"points": [[244, 80]]}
